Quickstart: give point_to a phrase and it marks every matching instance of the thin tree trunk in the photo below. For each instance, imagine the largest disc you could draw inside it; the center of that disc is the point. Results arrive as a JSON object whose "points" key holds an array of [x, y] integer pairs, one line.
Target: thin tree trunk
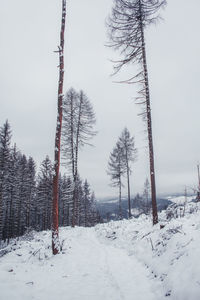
{"points": [[120, 200], [72, 138], [55, 238], [77, 135], [129, 196], [149, 129], [75, 168]]}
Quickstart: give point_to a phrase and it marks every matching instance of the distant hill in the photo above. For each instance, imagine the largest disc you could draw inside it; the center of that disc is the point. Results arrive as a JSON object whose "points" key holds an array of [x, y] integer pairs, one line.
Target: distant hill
{"points": [[109, 207]]}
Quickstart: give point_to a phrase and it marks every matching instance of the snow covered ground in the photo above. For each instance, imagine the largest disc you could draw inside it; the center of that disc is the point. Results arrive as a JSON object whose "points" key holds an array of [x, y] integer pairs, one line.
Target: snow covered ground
{"points": [[121, 260]]}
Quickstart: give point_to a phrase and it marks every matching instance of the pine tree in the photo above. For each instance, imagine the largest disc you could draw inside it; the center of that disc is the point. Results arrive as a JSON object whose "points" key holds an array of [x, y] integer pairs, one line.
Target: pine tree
{"points": [[127, 24], [55, 237], [116, 170], [5, 140], [93, 215], [13, 181], [23, 195], [65, 201], [77, 214], [31, 186], [86, 202], [78, 122], [129, 151], [44, 195]]}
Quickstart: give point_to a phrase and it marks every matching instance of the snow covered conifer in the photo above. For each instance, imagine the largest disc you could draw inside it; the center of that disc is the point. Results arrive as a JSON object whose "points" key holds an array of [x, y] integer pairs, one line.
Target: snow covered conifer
{"points": [[65, 200], [31, 186], [5, 140], [86, 202], [44, 195]]}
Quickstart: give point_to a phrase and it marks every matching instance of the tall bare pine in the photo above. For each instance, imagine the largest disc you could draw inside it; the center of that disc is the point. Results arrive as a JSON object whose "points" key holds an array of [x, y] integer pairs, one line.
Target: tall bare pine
{"points": [[129, 152], [78, 123], [55, 238], [127, 24]]}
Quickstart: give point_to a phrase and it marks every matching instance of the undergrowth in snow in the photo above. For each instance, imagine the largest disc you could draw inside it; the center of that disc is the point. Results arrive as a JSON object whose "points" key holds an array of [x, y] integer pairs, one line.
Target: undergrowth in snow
{"points": [[128, 259], [171, 254]]}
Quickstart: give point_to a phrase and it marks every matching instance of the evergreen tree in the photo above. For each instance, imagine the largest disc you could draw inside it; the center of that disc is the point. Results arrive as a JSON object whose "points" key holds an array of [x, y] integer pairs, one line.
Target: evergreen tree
{"points": [[86, 202], [31, 186], [55, 238], [78, 122], [23, 195], [116, 170], [94, 216], [5, 140], [65, 201], [44, 195], [127, 145], [13, 182]]}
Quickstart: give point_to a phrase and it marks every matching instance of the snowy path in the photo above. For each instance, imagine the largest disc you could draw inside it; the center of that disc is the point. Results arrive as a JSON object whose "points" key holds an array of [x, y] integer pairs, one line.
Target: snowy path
{"points": [[104, 272], [88, 270]]}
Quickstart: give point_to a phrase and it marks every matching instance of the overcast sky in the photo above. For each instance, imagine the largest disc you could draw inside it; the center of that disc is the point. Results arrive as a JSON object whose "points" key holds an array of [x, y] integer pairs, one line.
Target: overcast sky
{"points": [[29, 32]]}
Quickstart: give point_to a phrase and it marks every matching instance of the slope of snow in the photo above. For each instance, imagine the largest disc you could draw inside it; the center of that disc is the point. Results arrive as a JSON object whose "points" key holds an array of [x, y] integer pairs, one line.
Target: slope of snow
{"points": [[181, 199], [171, 254], [86, 269], [127, 259]]}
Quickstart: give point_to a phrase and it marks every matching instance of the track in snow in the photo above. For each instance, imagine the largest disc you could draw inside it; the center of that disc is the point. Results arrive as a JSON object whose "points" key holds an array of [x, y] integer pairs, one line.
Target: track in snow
{"points": [[89, 270]]}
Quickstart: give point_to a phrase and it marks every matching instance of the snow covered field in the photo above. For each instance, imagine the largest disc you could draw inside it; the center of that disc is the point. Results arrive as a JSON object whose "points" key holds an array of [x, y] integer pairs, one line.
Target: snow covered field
{"points": [[122, 260]]}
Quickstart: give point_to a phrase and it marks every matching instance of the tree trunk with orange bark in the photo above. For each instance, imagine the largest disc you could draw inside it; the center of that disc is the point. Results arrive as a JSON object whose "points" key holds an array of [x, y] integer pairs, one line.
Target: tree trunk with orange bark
{"points": [[55, 237]]}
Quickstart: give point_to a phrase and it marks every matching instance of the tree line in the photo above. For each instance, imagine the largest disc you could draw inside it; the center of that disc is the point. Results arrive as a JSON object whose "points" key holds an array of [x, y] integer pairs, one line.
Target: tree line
{"points": [[26, 195], [127, 23]]}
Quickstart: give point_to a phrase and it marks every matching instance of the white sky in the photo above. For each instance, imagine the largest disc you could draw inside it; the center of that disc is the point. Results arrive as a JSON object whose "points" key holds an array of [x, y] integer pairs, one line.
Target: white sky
{"points": [[29, 32]]}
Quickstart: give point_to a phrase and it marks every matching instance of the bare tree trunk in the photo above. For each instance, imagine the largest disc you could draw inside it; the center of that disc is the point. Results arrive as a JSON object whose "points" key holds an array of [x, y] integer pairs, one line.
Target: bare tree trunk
{"points": [[75, 167], [149, 129], [72, 137], [55, 238], [120, 200], [128, 184]]}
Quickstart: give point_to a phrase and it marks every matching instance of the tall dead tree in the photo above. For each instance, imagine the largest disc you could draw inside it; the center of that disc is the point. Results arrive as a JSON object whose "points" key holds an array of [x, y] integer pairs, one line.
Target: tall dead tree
{"points": [[55, 238], [129, 152], [78, 122], [116, 169], [127, 23]]}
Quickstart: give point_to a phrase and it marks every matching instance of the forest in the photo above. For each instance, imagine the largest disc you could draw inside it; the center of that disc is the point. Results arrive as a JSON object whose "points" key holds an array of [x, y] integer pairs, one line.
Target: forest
{"points": [[139, 241]]}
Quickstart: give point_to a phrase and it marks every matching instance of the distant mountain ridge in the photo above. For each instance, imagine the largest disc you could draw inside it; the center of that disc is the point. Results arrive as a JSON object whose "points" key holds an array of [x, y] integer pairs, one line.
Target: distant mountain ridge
{"points": [[109, 207]]}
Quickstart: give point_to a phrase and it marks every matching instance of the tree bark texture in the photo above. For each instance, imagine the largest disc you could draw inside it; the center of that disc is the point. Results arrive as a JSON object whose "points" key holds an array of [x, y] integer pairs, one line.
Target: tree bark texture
{"points": [[149, 130], [55, 237]]}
